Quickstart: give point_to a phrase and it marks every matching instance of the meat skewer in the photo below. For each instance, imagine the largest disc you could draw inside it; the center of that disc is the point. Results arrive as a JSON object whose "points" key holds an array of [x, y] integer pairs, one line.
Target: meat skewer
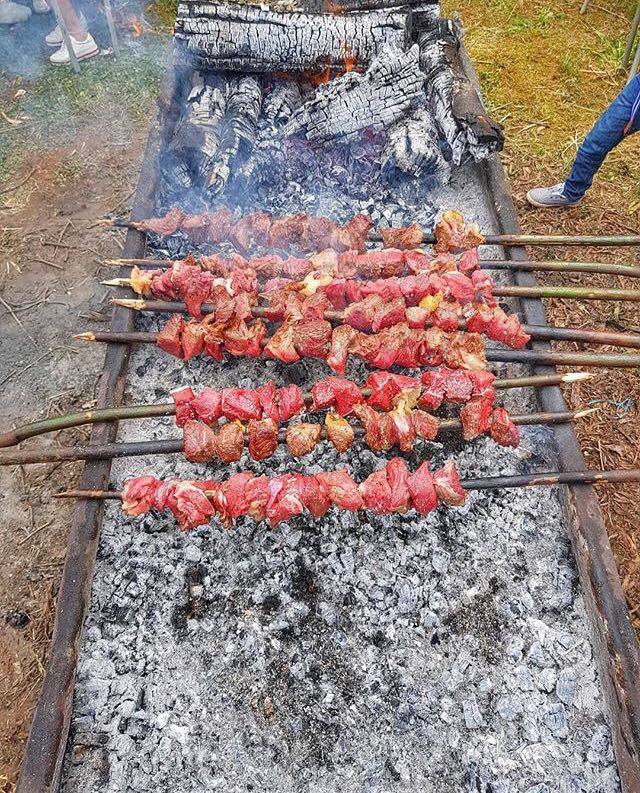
{"points": [[542, 332], [543, 265], [537, 357], [17, 435], [294, 231], [392, 489], [199, 444]]}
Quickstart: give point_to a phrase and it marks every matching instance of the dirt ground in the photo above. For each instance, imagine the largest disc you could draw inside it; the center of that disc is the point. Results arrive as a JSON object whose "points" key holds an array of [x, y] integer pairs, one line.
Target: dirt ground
{"points": [[546, 72]]}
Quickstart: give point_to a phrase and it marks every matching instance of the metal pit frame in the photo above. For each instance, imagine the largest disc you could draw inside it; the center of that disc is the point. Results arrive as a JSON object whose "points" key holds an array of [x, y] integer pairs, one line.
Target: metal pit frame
{"points": [[614, 640]]}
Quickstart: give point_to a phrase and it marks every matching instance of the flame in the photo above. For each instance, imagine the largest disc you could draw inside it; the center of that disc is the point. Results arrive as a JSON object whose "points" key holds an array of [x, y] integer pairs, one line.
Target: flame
{"points": [[350, 60], [321, 78]]}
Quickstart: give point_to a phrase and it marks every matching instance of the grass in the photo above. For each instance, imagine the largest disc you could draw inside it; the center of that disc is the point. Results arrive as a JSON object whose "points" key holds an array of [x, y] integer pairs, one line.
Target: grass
{"points": [[58, 101]]}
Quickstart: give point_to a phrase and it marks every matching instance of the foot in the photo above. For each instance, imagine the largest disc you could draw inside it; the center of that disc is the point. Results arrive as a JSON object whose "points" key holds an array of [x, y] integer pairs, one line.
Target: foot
{"points": [[40, 7], [54, 39], [547, 197], [82, 49], [11, 12]]}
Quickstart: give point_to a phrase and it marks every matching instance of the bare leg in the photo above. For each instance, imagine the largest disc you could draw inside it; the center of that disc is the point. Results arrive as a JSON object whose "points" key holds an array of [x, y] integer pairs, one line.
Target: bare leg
{"points": [[72, 20]]}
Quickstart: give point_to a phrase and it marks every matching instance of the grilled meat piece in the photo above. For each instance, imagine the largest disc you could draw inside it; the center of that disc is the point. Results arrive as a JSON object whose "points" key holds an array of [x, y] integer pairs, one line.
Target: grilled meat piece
{"points": [[502, 429], [403, 238], [453, 234], [263, 438], [303, 438], [447, 484], [339, 432], [336, 392], [230, 442]]}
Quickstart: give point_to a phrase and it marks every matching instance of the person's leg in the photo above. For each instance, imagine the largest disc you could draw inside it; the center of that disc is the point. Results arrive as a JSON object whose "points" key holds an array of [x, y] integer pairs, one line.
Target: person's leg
{"points": [[81, 40], [605, 135], [74, 23]]}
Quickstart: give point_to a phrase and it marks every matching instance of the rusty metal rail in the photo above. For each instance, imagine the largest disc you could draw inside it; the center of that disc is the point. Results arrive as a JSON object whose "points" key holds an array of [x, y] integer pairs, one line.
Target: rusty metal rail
{"points": [[616, 647]]}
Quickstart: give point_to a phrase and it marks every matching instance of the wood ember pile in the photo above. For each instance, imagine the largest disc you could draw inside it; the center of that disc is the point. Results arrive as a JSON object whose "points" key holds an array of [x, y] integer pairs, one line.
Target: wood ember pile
{"points": [[390, 87], [256, 39], [413, 147]]}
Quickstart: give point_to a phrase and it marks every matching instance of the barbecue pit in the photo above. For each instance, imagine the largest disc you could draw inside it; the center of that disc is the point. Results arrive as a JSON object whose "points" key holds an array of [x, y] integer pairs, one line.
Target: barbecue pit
{"points": [[379, 653]]}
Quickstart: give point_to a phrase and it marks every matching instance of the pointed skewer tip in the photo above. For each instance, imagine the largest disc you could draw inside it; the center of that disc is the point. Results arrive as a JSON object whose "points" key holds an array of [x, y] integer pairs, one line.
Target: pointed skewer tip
{"points": [[574, 377], [132, 303], [116, 282], [580, 414], [88, 335]]}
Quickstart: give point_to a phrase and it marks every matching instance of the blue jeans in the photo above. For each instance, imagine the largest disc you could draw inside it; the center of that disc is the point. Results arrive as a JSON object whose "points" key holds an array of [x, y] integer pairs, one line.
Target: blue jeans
{"points": [[607, 132]]}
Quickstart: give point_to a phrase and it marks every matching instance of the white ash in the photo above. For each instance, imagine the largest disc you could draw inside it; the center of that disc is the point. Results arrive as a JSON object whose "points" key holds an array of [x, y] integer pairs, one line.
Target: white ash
{"points": [[358, 652]]}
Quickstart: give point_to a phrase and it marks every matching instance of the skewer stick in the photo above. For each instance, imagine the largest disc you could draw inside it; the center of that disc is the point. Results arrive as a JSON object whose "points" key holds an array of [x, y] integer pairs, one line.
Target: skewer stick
{"points": [[141, 448], [507, 240], [596, 268], [544, 357], [543, 479], [545, 332], [31, 430]]}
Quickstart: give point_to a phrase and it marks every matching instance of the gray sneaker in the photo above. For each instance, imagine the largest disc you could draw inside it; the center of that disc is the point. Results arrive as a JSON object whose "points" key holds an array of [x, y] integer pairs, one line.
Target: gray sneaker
{"points": [[11, 13], [545, 197]]}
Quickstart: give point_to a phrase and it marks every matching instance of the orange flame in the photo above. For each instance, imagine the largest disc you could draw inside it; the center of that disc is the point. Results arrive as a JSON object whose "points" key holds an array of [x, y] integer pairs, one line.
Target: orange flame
{"points": [[321, 78], [350, 60]]}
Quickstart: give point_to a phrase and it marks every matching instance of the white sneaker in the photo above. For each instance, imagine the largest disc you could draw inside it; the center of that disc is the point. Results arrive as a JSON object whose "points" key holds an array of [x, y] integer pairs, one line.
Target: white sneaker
{"points": [[54, 39], [81, 49], [40, 7]]}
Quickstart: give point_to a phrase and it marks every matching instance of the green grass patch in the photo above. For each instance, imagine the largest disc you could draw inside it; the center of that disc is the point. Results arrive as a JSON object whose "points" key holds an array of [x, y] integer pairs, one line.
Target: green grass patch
{"points": [[59, 102]]}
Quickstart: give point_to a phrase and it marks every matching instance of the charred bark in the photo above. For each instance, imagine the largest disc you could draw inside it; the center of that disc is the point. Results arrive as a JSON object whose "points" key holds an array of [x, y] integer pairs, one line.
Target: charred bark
{"points": [[390, 87], [413, 148], [454, 102], [255, 39]]}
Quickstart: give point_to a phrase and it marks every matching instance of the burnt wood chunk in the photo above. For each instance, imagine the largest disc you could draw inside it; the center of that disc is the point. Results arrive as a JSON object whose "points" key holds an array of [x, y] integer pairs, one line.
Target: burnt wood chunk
{"points": [[256, 39], [413, 148], [390, 87]]}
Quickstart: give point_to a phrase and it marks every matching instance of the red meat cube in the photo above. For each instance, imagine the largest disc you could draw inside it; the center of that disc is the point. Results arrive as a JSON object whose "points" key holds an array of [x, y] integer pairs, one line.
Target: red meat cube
{"points": [[468, 261], [263, 438], [342, 338], [169, 337], [342, 490], [199, 442], [447, 484], [284, 498], [482, 383], [235, 492], [208, 405], [459, 286], [230, 442], [360, 315], [385, 386], [290, 402], [388, 314], [241, 403], [184, 399], [398, 479], [434, 384], [192, 340], [336, 392], [422, 490], [281, 344], [314, 494], [256, 493], [425, 425], [503, 430], [475, 416], [138, 495], [244, 340], [458, 385], [312, 339], [267, 396]]}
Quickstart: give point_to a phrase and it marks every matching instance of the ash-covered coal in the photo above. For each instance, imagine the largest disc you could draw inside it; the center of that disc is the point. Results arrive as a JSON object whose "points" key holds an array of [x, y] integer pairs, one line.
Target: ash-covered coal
{"points": [[358, 652]]}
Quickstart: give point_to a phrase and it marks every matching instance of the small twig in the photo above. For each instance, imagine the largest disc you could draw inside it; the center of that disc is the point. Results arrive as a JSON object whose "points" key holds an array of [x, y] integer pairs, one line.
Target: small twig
{"points": [[16, 186], [18, 321], [46, 261], [35, 531]]}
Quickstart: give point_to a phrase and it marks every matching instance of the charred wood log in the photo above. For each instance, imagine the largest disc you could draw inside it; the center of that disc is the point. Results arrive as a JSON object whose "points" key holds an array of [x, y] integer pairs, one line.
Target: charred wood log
{"points": [[455, 104], [390, 87], [346, 6], [413, 148], [238, 130], [281, 102], [255, 39], [197, 136]]}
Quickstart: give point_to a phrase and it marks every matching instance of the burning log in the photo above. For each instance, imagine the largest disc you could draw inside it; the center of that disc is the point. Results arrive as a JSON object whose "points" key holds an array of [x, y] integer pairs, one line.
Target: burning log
{"points": [[413, 148], [391, 489], [204, 445], [390, 87], [15, 436], [249, 38], [282, 102], [533, 357]]}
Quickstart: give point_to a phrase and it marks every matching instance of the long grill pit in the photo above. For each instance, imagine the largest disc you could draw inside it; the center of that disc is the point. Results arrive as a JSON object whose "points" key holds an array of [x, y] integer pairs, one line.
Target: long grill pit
{"points": [[355, 652]]}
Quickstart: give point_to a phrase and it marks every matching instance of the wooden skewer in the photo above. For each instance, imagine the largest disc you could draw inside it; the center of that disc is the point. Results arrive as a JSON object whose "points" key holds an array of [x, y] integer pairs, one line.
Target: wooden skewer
{"points": [[542, 357], [544, 332], [507, 240], [543, 479], [594, 268], [31, 430], [173, 446]]}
